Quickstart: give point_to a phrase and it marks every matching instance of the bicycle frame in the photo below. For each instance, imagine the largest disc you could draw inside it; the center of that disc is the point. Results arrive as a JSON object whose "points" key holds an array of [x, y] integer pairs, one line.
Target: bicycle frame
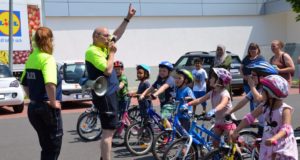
{"points": [[156, 118], [199, 139], [123, 122]]}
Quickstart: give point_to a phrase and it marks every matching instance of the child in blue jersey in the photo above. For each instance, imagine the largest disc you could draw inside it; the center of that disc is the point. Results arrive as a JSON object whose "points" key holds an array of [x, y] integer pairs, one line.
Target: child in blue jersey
{"points": [[143, 74], [182, 79]]}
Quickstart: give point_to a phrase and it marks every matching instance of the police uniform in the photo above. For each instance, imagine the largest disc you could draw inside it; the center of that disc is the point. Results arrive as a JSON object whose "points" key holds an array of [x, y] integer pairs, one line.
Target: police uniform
{"points": [[41, 69], [96, 64]]}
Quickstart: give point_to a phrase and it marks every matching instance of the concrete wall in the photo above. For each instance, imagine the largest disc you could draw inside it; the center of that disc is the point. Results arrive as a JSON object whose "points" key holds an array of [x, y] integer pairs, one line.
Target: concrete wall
{"points": [[153, 39], [293, 28], [150, 40]]}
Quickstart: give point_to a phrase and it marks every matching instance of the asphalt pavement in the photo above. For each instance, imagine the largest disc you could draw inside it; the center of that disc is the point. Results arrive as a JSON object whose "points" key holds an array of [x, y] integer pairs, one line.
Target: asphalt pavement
{"points": [[18, 140]]}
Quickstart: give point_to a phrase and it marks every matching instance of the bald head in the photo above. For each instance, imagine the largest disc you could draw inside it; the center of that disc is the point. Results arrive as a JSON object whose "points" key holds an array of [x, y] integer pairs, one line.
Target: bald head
{"points": [[100, 30], [101, 36]]}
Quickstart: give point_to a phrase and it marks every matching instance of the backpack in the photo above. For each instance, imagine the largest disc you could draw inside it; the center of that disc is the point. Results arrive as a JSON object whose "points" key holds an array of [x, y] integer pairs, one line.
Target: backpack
{"points": [[282, 57]]}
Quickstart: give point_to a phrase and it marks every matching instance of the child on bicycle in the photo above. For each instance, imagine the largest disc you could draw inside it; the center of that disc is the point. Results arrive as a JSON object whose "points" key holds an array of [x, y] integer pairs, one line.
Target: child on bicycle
{"points": [[122, 94], [164, 86], [184, 77], [143, 74], [258, 70], [220, 100], [199, 85], [278, 141]]}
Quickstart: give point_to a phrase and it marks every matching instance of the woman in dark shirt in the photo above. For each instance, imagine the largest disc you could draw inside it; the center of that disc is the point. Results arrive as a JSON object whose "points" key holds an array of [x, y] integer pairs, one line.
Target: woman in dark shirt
{"points": [[252, 56]]}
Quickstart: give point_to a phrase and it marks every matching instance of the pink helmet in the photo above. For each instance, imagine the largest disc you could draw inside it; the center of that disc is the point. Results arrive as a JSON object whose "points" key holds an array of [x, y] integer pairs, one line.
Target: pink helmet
{"points": [[224, 75], [276, 86]]}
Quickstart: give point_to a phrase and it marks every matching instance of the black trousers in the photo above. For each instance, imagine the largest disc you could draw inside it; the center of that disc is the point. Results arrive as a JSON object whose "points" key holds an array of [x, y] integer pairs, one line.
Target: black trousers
{"points": [[47, 122]]}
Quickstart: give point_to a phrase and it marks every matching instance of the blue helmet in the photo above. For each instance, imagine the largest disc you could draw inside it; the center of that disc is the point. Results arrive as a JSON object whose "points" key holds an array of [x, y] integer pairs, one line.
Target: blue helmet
{"points": [[262, 67], [144, 67], [166, 64]]}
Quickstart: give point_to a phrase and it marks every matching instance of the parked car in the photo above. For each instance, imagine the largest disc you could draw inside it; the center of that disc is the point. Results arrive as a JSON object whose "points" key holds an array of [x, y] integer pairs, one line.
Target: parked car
{"points": [[11, 92], [71, 72], [186, 62]]}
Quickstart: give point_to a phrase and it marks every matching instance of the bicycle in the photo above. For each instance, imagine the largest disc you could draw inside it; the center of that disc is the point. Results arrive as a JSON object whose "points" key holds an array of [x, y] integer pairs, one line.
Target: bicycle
{"points": [[139, 136], [125, 121], [187, 147], [88, 125], [165, 138]]}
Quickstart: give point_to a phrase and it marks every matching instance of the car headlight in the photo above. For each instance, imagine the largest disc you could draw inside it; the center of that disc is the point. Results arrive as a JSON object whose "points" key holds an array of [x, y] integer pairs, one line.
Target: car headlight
{"points": [[14, 83]]}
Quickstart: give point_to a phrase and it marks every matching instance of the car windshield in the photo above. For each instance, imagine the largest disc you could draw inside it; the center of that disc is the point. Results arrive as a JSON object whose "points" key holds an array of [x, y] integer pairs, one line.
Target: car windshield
{"points": [[4, 71], [189, 61], [73, 72]]}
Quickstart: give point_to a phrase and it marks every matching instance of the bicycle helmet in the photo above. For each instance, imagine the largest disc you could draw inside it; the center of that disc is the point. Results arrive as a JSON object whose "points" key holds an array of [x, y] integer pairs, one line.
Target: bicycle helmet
{"points": [[224, 75], [144, 67], [187, 74], [166, 64], [262, 67], [276, 86], [118, 64]]}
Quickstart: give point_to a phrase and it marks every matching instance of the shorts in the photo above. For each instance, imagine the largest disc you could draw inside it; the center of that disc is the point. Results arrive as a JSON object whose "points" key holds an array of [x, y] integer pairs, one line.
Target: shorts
{"points": [[167, 110], [226, 127], [108, 110], [199, 94]]}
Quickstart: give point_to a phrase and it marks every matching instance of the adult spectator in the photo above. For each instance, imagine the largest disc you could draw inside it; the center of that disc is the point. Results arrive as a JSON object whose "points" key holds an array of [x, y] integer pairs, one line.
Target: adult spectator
{"points": [[40, 82], [99, 60], [282, 61], [252, 57], [222, 60]]}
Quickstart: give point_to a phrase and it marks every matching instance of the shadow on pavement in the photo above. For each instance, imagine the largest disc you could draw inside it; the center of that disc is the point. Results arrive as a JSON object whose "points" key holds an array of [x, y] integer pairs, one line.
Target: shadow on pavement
{"points": [[77, 139], [6, 111], [76, 105], [124, 153]]}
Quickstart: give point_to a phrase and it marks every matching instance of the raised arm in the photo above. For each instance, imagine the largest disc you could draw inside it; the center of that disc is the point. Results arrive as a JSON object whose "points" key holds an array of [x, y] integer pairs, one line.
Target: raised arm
{"points": [[121, 29]]}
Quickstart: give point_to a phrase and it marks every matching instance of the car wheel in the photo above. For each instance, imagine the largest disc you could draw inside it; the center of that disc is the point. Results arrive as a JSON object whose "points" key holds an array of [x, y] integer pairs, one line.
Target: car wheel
{"points": [[238, 92], [18, 108]]}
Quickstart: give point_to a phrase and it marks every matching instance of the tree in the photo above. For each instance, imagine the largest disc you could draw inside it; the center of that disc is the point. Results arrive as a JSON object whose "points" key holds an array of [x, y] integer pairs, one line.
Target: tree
{"points": [[296, 7]]}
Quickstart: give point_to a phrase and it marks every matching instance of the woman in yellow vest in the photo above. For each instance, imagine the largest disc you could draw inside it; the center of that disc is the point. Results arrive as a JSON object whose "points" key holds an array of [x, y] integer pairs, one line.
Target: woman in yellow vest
{"points": [[39, 81]]}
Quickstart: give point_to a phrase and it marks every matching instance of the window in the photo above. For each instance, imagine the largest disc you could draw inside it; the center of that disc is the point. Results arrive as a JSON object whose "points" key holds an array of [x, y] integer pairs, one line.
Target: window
{"points": [[73, 72], [182, 62], [4, 71]]}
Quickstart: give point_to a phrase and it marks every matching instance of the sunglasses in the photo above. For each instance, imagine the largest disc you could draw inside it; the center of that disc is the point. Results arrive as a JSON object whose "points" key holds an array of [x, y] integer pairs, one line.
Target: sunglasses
{"points": [[103, 35]]}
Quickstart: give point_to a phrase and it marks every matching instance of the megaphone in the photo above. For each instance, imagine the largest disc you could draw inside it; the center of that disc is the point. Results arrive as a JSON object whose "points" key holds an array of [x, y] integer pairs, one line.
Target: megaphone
{"points": [[99, 85]]}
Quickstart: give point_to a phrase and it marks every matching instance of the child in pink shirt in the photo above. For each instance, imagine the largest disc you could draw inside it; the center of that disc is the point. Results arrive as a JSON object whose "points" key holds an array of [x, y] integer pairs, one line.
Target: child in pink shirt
{"points": [[278, 141], [220, 100]]}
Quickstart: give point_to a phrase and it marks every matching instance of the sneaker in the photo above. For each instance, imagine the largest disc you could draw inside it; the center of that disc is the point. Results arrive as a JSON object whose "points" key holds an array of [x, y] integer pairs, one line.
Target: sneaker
{"points": [[134, 132], [144, 145]]}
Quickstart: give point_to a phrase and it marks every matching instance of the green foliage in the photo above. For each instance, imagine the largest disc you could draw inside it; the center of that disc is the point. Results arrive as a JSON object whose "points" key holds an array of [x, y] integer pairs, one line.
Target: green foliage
{"points": [[296, 7]]}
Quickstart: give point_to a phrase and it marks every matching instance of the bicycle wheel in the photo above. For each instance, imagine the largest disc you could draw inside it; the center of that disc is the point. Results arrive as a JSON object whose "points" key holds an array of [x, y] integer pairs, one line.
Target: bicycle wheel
{"points": [[177, 149], [248, 145], [119, 136], [134, 113], [221, 154], [139, 139], [89, 126], [161, 143]]}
